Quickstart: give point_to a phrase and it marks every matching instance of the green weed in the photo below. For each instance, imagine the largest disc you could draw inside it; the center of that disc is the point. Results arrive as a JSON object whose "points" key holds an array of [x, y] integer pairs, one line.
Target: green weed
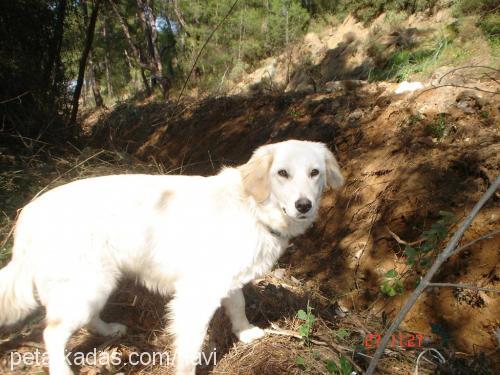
{"points": [[343, 368], [308, 318], [341, 333], [438, 128], [391, 284], [421, 254]]}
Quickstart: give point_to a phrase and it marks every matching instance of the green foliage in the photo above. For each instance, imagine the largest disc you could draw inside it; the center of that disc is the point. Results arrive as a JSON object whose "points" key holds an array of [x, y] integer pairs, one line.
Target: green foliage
{"points": [[421, 254], [30, 67], [391, 284], [308, 318], [438, 128], [344, 369], [404, 62], [366, 10], [468, 7], [253, 31], [490, 25], [341, 333], [300, 361], [305, 329]]}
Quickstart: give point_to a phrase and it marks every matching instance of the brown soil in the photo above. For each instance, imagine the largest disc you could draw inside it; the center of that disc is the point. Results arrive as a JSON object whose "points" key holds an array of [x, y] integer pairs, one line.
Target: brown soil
{"points": [[405, 158]]}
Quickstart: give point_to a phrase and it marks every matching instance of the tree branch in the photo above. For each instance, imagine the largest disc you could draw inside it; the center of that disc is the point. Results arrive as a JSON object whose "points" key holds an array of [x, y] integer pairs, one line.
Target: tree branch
{"points": [[424, 283], [469, 244], [83, 61]]}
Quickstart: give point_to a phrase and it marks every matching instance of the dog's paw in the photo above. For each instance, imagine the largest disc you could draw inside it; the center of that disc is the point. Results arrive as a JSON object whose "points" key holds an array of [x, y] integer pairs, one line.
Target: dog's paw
{"points": [[250, 334], [115, 330]]}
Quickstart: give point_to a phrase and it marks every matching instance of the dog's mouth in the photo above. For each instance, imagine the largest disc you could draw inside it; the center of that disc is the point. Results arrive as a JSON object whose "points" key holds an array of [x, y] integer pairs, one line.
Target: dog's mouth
{"points": [[299, 217]]}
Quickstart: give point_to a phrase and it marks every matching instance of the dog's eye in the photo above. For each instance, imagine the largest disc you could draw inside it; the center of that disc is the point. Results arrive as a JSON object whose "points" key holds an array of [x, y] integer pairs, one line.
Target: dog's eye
{"points": [[314, 172], [283, 173]]}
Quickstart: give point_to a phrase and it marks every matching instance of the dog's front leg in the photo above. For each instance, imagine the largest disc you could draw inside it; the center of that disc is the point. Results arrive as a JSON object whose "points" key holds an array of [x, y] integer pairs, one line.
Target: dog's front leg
{"points": [[190, 313], [234, 306]]}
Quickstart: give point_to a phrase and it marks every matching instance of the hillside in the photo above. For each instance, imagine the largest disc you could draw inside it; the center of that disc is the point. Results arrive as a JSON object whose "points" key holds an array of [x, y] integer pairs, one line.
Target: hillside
{"points": [[413, 162]]}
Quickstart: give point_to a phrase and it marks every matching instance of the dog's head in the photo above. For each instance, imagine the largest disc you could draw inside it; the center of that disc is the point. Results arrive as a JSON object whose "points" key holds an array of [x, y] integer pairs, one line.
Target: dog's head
{"points": [[291, 175]]}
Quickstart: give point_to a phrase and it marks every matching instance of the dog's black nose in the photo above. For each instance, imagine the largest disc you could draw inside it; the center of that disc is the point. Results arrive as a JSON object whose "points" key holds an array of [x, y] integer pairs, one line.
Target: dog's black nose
{"points": [[303, 205]]}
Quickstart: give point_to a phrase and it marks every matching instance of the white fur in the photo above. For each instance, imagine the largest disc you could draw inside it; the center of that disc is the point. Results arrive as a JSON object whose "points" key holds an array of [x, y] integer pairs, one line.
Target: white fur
{"points": [[198, 238]]}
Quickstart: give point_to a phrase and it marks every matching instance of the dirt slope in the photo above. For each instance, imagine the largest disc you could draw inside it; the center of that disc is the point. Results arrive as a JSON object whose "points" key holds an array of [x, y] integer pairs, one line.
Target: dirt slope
{"points": [[405, 158]]}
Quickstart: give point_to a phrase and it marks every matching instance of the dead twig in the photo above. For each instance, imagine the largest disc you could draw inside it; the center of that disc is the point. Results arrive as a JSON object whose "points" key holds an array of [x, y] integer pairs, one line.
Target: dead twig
{"points": [[284, 332], [65, 173], [469, 244], [467, 67], [424, 283], [402, 242], [459, 86], [463, 286], [15, 97]]}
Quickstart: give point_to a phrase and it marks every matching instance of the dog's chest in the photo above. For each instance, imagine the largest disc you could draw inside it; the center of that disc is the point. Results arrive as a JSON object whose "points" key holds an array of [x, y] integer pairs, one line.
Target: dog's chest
{"points": [[266, 253]]}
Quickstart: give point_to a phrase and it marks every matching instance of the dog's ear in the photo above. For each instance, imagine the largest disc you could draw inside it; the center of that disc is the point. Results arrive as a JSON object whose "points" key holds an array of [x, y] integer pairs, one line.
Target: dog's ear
{"points": [[255, 174], [334, 177]]}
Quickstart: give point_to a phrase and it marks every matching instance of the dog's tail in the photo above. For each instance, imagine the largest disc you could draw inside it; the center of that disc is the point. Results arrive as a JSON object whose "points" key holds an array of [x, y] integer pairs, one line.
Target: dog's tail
{"points": [[17, 298]]}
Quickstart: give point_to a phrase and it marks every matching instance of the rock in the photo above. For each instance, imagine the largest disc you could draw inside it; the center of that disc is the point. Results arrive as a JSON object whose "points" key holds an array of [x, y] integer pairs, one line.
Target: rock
{"points": [[354, 116], [469, 101], [406, 86]]}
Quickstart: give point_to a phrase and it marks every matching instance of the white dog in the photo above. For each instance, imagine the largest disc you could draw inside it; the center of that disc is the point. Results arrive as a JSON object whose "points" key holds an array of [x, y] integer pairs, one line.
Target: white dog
{"points": [[198, 238]]}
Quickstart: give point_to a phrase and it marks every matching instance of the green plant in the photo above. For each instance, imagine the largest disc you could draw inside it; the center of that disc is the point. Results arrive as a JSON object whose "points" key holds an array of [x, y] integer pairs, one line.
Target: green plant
{"points": [[293, 112], [465, 7], [490, 25], [421, 254], [341, 333], [391, 284], [305, 329], [344, 369], [438, 128]]}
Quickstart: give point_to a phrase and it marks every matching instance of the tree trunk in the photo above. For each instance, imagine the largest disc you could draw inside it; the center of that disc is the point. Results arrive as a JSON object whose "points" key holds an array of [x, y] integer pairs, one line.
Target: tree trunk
{"points": [[126, 31], [94, 83], [54, 64], [89, 38], [146, 14], [109, 84], [145, 82], [241, 36], [180, 18], [287, 38], [138, 57]]}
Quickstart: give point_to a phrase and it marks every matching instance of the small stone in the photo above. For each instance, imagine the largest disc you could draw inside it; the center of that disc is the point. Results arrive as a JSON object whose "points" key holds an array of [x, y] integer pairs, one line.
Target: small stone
{"points": [[356, 115]]}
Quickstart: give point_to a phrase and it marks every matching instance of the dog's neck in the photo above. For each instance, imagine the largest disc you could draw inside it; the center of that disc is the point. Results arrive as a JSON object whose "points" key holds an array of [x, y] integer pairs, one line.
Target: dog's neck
{"points": [[277, 223]]}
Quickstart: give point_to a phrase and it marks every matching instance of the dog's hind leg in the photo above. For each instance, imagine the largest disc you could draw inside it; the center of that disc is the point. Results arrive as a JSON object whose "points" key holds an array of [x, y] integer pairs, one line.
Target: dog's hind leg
{"points": [[190, 311], [70, 306], [64, 317], [234, 306]]}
